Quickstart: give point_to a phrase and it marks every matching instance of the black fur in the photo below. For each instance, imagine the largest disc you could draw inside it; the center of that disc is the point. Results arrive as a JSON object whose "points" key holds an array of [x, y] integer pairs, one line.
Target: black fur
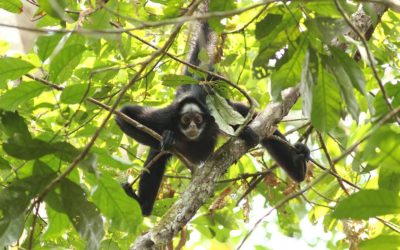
{"points": [[165, 122]]}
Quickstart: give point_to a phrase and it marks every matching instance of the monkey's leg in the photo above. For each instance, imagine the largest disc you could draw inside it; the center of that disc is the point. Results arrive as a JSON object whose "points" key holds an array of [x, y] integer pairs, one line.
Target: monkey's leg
{"points": [[292, 159], [149, 182]]}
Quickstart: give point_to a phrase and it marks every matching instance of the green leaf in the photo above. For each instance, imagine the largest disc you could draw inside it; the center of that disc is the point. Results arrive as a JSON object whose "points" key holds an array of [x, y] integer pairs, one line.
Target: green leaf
{"points": [[276, 39], [267, 25], [229, 60], [324, 8], [217, 5], [352, 69], [223, 113], [368, 203], [381, 242], [58, 223], [389, 179], [380, 105], [64, 63], [177, 80], [98, 20], [124, 213], [4, 164], [46, 45], [25, 91], [290, 73], [83, 214], [15, 199], [105, 158], [74, 93], [336, 68], [12, 68], [326, 28], [11, 230], [308, 80], [162, 206], [65, 151], [55, 8], [27, 150], [326, 103], [14, 125], [14, 6]]}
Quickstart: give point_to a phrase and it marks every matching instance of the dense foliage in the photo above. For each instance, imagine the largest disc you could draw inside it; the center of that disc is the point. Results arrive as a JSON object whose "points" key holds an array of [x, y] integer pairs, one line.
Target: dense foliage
{"points": [[62, 157]]}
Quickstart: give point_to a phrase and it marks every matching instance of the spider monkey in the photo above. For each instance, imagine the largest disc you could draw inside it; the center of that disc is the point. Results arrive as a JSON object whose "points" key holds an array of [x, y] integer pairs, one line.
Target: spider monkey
{"points": [[187, 126]]}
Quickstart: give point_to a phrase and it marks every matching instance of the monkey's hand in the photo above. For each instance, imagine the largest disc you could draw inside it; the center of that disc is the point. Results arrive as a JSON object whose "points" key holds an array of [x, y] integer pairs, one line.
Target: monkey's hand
{"points": [[302, 149], [251, 138], [168, 140], [129, 191]]}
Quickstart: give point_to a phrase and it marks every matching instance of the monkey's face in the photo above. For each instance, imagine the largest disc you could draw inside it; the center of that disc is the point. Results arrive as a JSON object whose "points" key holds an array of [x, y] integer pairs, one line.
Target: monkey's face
{"points": [[191, 121]]}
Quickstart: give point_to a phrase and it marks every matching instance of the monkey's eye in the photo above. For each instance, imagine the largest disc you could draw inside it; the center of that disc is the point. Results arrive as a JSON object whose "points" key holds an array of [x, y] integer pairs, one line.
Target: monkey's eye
{"points": [[198, 119], [185, 120]]}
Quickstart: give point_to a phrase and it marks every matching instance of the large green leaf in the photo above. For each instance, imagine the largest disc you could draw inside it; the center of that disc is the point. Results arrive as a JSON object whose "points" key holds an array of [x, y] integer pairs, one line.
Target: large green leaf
{"points": [[12, 124], [58, 222], [223, 113], [308, 80], [74, 93], [389, 179], [382, 150], [12, 68], [352, 69], [4, 164], [275, 39], [326, 28], [27, 150], [381, 242], [55, 8], [123, 212], [216, 5], [326, 103], [11, 230], [290, 73], [15, 199], [380, 104], [64, 63], [21, 94], [267, 25], [83, 214], [324, 8], [177, 80], [14, 6], [346, 87], [46, 45], [368, 203]]}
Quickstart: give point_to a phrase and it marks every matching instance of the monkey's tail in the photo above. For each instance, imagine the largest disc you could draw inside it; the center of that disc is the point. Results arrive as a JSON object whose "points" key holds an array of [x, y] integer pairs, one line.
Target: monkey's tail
{"points": [[202, 38]]}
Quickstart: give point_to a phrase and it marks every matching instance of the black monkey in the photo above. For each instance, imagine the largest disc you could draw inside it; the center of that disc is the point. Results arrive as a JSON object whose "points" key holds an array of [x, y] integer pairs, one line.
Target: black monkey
{"points": [[187, 126]]}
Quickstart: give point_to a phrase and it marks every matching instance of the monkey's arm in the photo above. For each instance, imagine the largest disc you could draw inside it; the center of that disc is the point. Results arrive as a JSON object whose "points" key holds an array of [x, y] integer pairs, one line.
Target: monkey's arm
{"points": [[292, 159], [158, 120]]}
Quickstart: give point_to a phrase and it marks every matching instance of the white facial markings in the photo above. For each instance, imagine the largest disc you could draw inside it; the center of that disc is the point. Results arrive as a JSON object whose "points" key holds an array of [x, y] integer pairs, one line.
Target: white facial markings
{"points": [[190, 128], [190, 107]]}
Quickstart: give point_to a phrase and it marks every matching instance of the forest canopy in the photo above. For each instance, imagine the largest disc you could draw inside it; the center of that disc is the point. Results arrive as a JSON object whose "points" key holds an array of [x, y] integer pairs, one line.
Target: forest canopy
{"points": [[334, 66]]}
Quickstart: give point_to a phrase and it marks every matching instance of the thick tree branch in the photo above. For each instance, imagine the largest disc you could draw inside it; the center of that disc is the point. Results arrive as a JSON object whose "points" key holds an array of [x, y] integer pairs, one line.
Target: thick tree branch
{"points": [[204, 180]]}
